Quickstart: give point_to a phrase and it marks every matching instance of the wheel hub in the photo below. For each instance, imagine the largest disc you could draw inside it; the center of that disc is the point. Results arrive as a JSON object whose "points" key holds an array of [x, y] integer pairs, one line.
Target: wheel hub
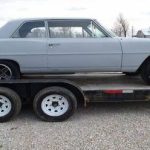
{"points": [[54, 105], [5, 105]]}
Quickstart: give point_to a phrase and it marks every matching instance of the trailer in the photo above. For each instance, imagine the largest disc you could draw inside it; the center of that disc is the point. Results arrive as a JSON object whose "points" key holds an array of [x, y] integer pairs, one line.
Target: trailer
{"points": [[56, 97]]}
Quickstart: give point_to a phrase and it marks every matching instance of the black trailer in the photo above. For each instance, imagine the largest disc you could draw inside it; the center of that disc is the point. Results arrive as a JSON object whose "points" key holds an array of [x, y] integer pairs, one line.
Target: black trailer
{"points": [[56, 97]]}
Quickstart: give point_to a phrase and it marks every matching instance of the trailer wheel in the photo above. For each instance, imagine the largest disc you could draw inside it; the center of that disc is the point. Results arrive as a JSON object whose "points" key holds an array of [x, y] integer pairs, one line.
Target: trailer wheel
{"points": [[54, 104], [10, 104]]}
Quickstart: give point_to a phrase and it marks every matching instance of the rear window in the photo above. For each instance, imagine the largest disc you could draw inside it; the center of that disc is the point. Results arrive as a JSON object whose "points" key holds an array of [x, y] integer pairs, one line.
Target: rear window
{"points": [[34, 29]]}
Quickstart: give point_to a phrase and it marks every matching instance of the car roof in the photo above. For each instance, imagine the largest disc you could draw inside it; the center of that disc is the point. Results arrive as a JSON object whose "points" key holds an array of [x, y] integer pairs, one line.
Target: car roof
{"points": [[33, 19], [9, 28], [45, 18]]}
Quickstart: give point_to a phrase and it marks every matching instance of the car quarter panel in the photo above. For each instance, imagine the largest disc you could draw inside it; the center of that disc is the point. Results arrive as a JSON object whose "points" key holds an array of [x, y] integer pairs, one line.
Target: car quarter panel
{"points": [[9, 28], [135, 51], [30, 54]]}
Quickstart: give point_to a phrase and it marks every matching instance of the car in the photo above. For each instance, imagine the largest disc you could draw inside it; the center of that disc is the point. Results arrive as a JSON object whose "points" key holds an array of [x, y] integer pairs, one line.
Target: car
{"points": [[59, 45]]}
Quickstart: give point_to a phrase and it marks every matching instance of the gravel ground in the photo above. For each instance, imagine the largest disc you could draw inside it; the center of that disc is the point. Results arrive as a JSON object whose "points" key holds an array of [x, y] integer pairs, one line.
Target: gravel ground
{"points": [[103, 126]]}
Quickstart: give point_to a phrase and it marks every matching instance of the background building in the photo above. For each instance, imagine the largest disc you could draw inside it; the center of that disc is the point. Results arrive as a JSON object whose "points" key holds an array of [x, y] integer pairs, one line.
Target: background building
{"points": [[143, 34]]}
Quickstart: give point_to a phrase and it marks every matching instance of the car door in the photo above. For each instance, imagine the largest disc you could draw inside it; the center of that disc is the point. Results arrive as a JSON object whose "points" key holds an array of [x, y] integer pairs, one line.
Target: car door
{"points": [[74, 47], [28, 45]]}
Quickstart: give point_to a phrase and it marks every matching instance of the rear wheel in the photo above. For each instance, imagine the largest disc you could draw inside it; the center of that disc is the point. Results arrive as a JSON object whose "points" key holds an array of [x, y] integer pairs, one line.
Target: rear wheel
{"points": [[9, 70], [10, 104], [145, 73], [54, 104]]}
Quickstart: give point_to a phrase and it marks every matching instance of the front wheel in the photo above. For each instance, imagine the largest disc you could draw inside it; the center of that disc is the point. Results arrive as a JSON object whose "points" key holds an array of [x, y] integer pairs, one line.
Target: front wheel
{"points": [[54, 104], [145, 73]]}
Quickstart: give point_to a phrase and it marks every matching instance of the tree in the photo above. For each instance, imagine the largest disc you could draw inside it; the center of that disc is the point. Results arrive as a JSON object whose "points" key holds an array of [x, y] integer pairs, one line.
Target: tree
{"points": [[121, 26]]}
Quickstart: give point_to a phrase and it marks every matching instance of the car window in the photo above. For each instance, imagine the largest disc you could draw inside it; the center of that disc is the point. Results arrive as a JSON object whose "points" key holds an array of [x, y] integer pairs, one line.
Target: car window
{"points": [[68, 32], [69, 29], [31, 30], [78, 32], [96, 32]]}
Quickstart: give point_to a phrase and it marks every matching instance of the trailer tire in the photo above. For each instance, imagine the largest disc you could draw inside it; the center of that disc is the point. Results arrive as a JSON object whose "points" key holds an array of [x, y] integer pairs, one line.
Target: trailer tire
{"points": [[54, 104], [10, 104]]}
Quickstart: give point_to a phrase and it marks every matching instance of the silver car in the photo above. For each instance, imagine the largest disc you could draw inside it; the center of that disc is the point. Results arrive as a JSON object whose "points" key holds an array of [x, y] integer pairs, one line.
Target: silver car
{"points": [[69, 46]]}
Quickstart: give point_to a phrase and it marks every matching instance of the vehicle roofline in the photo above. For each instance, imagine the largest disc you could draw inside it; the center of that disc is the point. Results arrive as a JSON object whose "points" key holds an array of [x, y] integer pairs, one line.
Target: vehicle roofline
{"points": [[28, 19]]}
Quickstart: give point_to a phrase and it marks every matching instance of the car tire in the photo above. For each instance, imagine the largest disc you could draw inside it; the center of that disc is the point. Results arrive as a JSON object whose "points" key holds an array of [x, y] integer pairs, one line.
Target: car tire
{"points": [[130, 73], [10, 70], [54, 104], [10, 104], [145, 73]]}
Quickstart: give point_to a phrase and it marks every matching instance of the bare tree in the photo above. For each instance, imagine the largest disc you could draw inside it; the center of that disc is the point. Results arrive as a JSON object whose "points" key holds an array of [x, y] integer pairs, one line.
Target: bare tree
{"points": [[121, 26]]}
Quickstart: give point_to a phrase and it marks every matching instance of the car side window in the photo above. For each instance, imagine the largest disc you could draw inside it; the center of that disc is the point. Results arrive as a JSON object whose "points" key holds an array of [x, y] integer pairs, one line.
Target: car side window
{"points": [[67, 29], [96, 32], [74, 29], [33, 29]]}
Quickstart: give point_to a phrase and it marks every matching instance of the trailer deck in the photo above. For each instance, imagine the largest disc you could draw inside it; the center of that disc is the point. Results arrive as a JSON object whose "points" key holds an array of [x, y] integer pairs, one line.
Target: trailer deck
{"points": [[105, 87], [99, 81]]}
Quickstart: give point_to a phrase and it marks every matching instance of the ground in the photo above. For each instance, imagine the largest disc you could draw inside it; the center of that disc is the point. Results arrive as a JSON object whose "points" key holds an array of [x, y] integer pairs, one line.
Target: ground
{"points": [[103, 126]]}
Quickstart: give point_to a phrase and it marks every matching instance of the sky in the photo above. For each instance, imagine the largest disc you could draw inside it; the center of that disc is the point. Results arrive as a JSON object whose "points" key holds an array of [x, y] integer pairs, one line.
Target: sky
{"points": [[137, 12]]}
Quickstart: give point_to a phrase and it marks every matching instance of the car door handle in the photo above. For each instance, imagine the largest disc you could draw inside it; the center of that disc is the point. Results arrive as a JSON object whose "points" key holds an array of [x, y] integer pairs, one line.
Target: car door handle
{"points": [[53, 44]]}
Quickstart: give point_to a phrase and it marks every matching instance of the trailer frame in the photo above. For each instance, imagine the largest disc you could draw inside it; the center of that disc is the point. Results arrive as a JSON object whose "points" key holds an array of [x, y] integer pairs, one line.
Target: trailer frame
{"points": [[83, 92]]}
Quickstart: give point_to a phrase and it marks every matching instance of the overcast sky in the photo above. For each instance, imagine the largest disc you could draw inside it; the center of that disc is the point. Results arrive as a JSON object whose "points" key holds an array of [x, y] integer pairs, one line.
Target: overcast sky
{"points": [[136, 11]]}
